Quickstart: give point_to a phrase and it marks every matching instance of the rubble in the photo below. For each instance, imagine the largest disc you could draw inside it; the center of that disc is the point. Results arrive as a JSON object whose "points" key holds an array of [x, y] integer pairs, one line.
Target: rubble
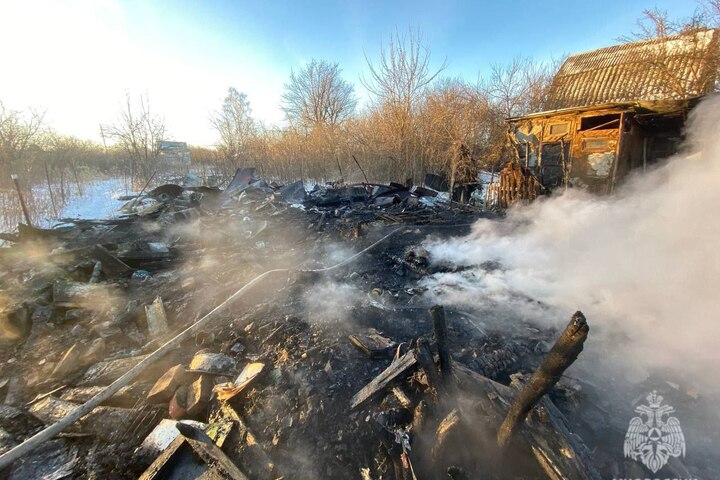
{"points": [[398, 368], [198, 396], [562, 355], [373, 343], [209, 362], [156, 319], [15, 323], [103, 422], [206, 449], [165, 386], [229, 390], [266, 331]]}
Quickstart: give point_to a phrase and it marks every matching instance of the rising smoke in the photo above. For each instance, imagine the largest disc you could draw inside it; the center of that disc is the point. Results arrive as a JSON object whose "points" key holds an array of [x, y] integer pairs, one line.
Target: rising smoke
{"points": [[643, 264], [330, 302]]}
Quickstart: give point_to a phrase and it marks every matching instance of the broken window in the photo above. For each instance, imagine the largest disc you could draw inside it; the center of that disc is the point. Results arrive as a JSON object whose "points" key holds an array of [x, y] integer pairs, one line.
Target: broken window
{"points": [[600, 122], [526, 154], [559, 128], [552, 163]]}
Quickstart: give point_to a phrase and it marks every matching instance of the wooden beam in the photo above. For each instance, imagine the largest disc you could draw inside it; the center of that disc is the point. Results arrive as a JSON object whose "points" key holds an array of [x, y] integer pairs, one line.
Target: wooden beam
{"points": [[566, 349], [397, 368]]}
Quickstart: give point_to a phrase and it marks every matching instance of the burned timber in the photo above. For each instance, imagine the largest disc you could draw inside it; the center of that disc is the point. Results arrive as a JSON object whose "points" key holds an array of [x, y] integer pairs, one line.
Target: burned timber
{"points": [[264, 331]]}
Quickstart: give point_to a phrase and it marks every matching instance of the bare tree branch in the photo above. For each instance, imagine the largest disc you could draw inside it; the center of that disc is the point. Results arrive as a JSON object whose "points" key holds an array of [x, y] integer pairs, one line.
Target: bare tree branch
{"points": [[235, 126], [318, 95], [18, 132], [138, 132]]}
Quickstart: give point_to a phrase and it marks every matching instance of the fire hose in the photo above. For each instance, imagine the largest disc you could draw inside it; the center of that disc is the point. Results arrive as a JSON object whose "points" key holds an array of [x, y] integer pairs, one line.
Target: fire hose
{"points": [[51, 431]]}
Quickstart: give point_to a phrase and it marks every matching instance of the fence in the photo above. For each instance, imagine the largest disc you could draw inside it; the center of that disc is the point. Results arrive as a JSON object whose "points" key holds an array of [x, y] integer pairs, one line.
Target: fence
{"points": [[515, 182]]}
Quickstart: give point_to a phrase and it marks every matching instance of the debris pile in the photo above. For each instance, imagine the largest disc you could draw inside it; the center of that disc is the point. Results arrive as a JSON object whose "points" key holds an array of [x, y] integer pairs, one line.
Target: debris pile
{"points": [[515, 182], [332, 364]]}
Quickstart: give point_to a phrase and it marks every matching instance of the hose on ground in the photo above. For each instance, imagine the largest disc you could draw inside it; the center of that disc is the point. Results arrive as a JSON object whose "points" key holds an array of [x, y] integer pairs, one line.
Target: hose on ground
{"points": [[52, 430]]}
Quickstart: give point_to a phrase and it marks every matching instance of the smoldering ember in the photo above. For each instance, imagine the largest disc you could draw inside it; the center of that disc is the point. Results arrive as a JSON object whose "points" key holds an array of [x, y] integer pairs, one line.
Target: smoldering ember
{"points": [[547, 313]]}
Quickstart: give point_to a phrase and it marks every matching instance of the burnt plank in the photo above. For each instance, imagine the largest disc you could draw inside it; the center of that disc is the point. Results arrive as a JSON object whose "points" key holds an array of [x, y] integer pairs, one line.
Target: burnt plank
{"points": [[372, 343], [398, 367]]}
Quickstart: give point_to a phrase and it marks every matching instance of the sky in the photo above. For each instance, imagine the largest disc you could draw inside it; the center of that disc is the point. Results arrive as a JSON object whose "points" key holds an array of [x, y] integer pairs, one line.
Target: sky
{"points": [[77, 60]]}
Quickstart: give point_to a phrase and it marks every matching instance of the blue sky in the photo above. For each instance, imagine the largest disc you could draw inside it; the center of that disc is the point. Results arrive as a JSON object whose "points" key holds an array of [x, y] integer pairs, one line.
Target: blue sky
{"points": [[78, 58]]}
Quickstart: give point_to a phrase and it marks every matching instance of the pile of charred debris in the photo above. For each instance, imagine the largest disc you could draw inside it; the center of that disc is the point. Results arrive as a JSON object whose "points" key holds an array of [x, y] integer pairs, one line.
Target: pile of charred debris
{"points": [[292, 380]]}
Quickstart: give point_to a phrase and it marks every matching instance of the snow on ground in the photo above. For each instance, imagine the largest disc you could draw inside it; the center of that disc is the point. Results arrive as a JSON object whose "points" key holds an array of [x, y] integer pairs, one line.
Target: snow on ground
{"points": [[94, 199]]}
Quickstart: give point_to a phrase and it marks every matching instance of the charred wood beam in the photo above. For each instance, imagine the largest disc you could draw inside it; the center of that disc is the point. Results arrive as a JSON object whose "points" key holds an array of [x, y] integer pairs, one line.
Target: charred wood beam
{"points": [[208, 451], [450, 422], [427, 363], [566, 349], [112, 266], [158, 467], [397, 369], [51, 431], [560, 453], [437, 313], [255, 460]]}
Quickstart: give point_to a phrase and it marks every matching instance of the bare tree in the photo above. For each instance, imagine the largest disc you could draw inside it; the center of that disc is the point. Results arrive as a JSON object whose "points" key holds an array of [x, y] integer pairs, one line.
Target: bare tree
{"points": [[521, 86], [397, 82], [456, 114], [235, 126], [138, 132], [18, 132], [702, 72], [402, 72], [318, 95], [657, 23], [710, 12], [63, 152]]}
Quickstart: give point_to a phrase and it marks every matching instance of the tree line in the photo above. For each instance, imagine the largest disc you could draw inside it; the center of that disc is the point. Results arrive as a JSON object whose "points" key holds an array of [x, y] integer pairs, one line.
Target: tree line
{"points": [[417, 120], [29, 148]]}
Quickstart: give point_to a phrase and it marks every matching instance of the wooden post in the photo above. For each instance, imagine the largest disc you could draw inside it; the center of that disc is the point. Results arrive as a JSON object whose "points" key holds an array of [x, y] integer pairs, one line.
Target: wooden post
{"points": [[566, 171], [337, 160], [361, 169], [437, 314], [487, 190], [503, 188], [566, 349], [15, 179], [618, 152], [427, 363]]}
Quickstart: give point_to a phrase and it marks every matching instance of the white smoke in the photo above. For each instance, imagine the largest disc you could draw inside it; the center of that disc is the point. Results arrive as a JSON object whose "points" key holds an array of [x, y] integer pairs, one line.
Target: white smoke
{"points": [[643, 264], [331, 303]]}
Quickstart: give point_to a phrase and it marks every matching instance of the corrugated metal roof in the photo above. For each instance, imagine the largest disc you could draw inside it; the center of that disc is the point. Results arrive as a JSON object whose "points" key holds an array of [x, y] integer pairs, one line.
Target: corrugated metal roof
{"points": [[676, 67]]}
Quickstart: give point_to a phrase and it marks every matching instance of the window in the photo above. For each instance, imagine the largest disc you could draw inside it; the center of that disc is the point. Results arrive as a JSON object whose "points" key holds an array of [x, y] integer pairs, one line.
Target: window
{"points": [[597, 144], [600, 122], [559, 128]]}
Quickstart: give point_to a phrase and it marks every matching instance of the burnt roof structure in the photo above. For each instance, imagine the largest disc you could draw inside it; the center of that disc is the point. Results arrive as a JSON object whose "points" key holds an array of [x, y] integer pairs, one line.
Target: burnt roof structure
{"points": [[610, 111], [677, 67]]}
